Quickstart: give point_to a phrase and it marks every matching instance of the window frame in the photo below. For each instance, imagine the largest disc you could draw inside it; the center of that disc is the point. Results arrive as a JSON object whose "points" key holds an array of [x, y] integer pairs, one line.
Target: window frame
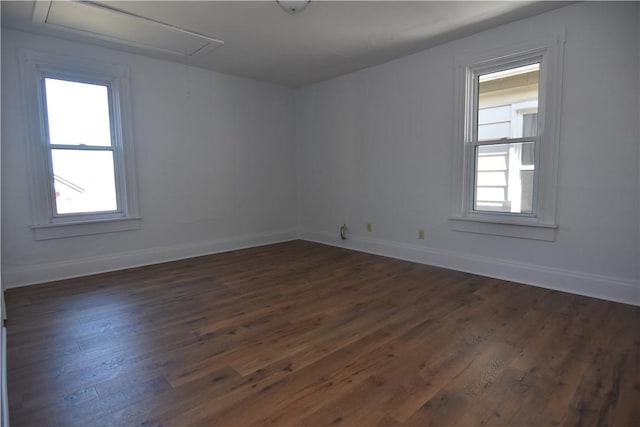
{"points": [[540, 224], [46, 222]]}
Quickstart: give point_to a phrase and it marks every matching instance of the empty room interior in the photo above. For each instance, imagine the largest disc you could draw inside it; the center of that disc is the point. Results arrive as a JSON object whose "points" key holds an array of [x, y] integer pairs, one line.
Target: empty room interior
{"points": [[309, 213]]}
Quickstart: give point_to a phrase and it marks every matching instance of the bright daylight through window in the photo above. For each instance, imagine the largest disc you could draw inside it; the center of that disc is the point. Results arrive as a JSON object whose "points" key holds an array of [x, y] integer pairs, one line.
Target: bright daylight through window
{"points": [[79, 133], [505, 140]]}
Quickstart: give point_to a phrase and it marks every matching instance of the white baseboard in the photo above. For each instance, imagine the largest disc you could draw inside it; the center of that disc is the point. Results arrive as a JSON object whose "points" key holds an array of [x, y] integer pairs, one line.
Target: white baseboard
{"points": [[17, 276], [591, 285]]}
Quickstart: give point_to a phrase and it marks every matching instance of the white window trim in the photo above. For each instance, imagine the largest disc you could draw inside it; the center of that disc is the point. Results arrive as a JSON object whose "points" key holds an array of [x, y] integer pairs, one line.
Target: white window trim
{"points": [[45, 223], [541, 225]]}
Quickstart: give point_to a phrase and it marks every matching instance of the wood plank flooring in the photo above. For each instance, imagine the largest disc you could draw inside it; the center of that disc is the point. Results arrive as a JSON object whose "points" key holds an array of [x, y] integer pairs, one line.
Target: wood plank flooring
{"points": [[301, 334]]}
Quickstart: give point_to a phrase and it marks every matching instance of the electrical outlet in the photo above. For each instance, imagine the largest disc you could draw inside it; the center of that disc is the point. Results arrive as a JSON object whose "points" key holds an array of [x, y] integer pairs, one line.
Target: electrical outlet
{"points": [[421, 234], [369, 228]]}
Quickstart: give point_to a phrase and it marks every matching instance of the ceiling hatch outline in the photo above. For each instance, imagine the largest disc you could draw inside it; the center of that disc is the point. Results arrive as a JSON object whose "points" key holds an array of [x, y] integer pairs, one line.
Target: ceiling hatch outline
{"points": [[108, 23]]}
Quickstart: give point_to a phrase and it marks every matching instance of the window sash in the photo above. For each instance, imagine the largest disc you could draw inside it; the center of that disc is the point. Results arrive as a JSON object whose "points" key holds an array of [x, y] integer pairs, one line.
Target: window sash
{"points": [[473, 90], [472, 190], [83, 215]]}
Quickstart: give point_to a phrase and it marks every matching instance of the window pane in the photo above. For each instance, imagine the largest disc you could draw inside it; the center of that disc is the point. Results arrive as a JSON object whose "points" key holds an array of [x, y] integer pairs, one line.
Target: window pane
{"points": [[84, 181], [491, 179], [503, 181], [529, 125], [491, 115], [505, 99], [493, 131], [77, 113]]}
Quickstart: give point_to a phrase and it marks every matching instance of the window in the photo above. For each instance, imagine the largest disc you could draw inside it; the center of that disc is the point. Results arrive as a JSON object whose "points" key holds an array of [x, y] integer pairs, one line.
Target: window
{"points": [[81, 157], [504, 157], [507, 132]]}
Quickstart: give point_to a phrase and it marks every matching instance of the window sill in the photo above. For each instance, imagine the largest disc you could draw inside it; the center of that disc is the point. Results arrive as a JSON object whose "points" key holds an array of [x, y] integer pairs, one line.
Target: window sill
{"points": [[84, 228], [498, 227]]}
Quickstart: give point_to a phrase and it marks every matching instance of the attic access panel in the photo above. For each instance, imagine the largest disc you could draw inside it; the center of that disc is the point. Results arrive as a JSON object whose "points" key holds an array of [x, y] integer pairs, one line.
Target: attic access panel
{"points": [[108, 23]]}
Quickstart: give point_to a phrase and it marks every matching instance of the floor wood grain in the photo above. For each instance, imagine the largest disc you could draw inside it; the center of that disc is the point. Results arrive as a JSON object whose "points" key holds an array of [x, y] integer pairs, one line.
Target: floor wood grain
{"points": [[301, 334]]}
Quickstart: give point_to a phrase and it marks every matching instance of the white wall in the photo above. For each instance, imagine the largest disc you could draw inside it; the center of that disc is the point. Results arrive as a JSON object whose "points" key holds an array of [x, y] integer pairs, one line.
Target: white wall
{"points": [[377, 146], [216, 167]]}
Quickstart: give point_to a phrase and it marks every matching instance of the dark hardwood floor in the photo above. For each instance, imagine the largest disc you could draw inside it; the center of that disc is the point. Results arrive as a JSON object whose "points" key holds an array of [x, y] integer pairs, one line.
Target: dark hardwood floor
{"points": [[304, 334]]}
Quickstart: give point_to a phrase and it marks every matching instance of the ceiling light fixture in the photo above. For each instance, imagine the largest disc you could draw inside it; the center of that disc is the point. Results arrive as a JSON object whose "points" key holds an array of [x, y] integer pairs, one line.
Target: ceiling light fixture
{"points": [[293, 7]]}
